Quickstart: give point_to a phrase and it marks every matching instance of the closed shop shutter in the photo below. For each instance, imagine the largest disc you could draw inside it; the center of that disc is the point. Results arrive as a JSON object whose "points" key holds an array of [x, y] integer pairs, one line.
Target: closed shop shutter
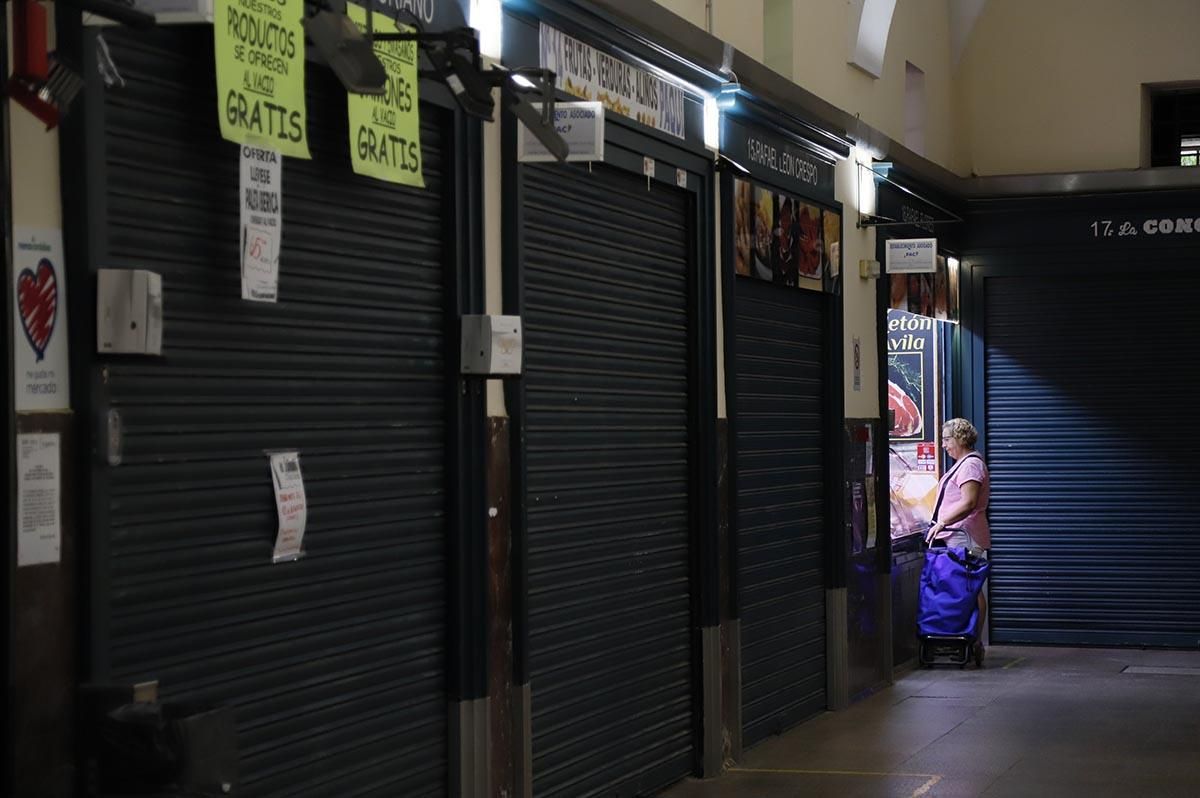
{"points": [[780, 451], [606, 271], [1090, 391], [336, 663]]}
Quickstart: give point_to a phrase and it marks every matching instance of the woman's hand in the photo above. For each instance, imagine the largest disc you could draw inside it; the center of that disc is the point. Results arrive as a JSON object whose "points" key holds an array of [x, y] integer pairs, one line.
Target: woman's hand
{"points": [[935, 530]]}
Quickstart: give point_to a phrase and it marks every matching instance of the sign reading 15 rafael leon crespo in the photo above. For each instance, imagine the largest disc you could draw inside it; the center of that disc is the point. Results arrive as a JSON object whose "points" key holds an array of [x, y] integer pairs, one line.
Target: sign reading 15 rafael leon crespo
{"points": [[786, 162], [774, 158]]}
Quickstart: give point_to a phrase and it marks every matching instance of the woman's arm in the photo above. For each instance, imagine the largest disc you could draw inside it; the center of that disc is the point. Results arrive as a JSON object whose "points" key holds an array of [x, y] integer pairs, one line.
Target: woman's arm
{"points": [[959, 510]]}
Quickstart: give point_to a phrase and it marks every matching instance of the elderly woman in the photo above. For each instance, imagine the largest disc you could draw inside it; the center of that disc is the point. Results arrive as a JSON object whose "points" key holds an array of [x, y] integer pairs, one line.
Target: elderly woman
{"points": [[960, 516]]}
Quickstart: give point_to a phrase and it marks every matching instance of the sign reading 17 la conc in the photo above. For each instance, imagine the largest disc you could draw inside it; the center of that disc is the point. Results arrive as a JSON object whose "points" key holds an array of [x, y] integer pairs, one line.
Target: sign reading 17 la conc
{"points": [[259, 47]]}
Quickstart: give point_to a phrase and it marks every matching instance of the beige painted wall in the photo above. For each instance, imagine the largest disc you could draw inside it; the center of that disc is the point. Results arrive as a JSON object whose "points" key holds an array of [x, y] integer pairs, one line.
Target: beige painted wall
{"points": [[858, 294], [777, 35], [36, 197], [920, 34], [1056, 86], [819, 48], [739, 22], [36, 200]]}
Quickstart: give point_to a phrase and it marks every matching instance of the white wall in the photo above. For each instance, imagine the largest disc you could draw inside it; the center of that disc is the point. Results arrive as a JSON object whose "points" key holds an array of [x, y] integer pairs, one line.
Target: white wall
{"points": [[1056, 86]]}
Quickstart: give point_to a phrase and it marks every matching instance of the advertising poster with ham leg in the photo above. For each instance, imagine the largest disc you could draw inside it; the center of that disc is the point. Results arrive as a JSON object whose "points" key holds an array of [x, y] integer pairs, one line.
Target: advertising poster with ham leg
{"points": [[912, 397]]}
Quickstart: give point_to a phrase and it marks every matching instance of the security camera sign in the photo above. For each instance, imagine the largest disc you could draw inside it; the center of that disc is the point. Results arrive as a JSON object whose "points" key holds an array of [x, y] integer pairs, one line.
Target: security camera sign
{"points": [[259, 46], [581, 126], [385, 129], [911, 255]]}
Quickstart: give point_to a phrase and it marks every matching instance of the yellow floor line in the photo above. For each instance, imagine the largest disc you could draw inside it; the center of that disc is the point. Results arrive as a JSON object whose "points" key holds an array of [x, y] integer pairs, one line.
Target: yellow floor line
{"points": [[786, 772], [926, 787], [1014, 663]]}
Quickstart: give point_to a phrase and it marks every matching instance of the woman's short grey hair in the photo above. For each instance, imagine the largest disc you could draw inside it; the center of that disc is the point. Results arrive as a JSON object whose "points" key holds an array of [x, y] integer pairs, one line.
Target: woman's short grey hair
{"points": [[962, 431]]}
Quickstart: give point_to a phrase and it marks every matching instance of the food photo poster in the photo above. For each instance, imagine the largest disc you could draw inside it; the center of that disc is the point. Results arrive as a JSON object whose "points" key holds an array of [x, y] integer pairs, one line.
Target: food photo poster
{"points": [[784, 239]]}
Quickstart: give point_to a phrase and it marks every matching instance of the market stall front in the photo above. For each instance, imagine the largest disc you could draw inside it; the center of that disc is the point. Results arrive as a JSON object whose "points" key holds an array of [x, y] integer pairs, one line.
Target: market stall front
{"points": [[783, 392]]}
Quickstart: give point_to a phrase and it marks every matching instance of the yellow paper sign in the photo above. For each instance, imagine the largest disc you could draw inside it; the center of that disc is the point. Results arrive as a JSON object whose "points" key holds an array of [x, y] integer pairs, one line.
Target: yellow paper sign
{"points": [[385, 129], [260, 74]]}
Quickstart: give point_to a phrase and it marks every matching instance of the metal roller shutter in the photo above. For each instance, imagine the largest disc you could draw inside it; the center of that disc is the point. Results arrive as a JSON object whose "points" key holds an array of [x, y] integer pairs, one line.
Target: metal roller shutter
{"points": [[335, 663], [606, 270], [780, 453], [1090, 391]]}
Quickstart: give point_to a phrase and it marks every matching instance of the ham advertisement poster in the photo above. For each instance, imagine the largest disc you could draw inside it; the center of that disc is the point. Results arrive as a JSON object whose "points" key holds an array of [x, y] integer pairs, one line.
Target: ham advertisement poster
{"points": [[912, 396], [912, 386]]}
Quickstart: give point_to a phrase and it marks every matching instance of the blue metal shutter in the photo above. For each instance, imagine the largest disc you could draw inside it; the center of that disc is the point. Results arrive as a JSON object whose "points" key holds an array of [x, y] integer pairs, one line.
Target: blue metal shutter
{"points": [[780, 456], [336, 663], [606, 272], [1090, 393]]}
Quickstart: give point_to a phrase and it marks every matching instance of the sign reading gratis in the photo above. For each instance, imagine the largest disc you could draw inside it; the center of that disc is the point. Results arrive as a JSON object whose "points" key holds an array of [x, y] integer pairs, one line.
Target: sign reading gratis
{"points": [[584, 72], [911, 255], [259, 48], [581, 126]]}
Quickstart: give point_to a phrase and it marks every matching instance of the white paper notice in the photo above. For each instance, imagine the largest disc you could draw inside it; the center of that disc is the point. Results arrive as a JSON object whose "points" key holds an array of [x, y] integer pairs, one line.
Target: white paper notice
{"points": [[39, 284], [261, 192], [291, 504], [39, 529]]}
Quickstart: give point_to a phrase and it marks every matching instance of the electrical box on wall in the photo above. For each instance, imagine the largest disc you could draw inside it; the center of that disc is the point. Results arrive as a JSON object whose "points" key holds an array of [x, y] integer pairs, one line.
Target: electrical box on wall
{"points": [[128, 312], [491, 345]]}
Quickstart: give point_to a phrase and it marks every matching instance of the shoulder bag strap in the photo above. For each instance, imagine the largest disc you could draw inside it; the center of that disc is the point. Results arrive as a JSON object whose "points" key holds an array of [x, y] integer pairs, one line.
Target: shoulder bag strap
{"points": [[946, 481]]}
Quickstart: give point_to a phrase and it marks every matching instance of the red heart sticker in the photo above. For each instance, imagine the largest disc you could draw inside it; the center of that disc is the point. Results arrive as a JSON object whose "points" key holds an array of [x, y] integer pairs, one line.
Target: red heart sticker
{"points": [[37, 298]]}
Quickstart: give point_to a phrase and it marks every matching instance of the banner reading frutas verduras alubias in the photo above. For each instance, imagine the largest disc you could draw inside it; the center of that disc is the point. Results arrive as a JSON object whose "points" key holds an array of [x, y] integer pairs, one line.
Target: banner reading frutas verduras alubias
{"points": [[584, 72], [259, 46], [385, 129]]}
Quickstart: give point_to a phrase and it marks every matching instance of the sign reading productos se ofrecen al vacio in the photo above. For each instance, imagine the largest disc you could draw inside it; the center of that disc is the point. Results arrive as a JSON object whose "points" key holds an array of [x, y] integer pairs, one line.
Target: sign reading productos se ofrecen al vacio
{"points": [[385, 129], [584, 72], [259, 48]]}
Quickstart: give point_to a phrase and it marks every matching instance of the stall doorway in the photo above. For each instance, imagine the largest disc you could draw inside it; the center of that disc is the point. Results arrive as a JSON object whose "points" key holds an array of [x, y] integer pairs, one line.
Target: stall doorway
{"points": [[1090, 394], [607, 263], [780, 430], [335, 664]]}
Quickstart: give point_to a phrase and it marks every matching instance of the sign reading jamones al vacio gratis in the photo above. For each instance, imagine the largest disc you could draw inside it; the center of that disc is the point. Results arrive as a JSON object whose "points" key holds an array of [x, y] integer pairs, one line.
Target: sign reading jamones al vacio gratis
{"points": [[385, 129], [259, 47]]}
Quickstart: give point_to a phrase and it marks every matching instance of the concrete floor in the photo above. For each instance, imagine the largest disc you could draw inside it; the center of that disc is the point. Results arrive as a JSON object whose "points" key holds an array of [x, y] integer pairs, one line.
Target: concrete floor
{"points": [[1034, 722]]}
